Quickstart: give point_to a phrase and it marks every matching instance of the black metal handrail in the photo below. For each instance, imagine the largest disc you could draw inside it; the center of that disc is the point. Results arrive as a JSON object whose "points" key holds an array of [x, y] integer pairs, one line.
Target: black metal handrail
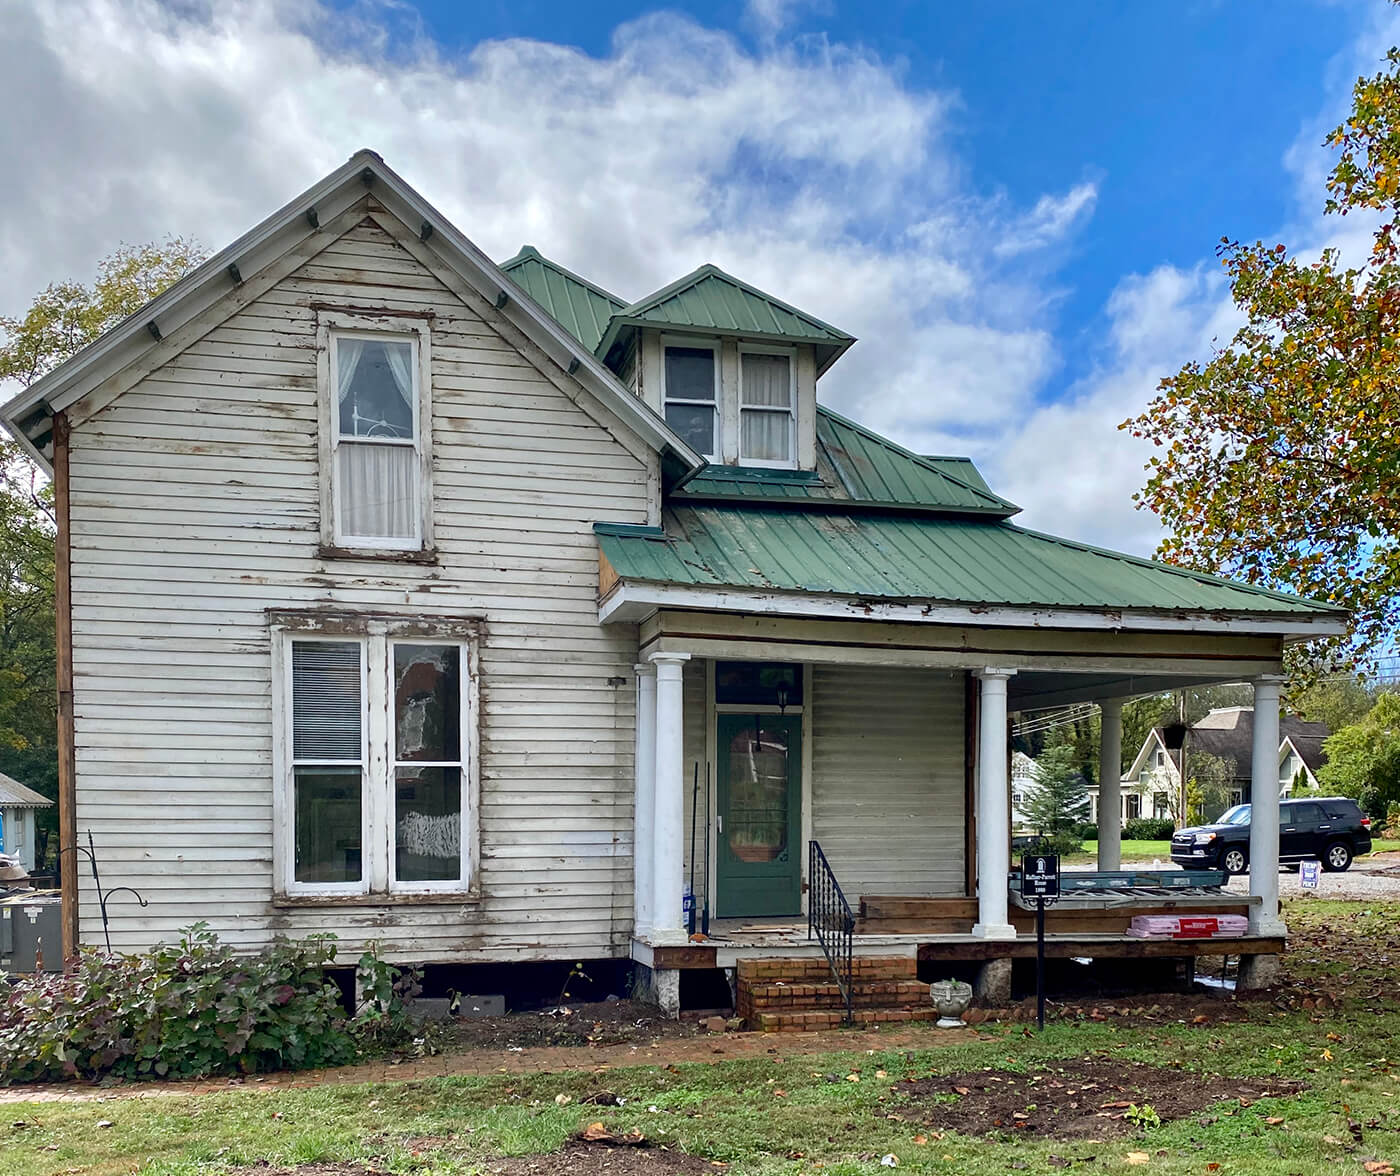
{"points": [[829, 919]]}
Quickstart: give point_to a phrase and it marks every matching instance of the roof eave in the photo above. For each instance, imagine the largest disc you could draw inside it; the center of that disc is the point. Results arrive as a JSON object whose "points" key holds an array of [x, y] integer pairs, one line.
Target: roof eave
{"points": [[634, 598], [844, 505]]}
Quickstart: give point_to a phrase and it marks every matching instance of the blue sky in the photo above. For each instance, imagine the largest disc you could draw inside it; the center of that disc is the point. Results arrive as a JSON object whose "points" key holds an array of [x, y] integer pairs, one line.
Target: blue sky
{"points": [[1014, 206], [1181, 112]]}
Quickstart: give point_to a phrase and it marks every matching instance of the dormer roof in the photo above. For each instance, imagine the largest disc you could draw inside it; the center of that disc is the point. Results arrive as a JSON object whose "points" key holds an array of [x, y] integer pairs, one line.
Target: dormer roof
{"points": [[712, 301]]}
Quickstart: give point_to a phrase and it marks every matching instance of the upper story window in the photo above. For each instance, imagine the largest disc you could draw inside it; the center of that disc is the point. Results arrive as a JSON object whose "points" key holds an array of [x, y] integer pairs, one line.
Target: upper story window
{"points": [[376, 414], [692, 396], [767, 404], [744, 408]]}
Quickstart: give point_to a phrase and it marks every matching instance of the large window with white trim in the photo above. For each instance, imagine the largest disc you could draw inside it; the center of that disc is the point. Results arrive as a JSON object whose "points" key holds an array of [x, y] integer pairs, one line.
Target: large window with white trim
{"points": [[375, 433], [376, 740]]}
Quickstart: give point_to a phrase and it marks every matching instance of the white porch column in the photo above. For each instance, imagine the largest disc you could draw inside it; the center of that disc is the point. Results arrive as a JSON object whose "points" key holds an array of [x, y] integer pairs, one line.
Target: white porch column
{"points": [[993, 807], [1110, 780], [644, 811], [668, 813], [1263, 812]]}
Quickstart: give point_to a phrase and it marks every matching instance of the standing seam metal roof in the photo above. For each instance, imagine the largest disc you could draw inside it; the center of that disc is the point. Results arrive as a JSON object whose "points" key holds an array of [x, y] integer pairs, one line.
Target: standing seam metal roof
{"points": [[582, 308], [884, 555]]}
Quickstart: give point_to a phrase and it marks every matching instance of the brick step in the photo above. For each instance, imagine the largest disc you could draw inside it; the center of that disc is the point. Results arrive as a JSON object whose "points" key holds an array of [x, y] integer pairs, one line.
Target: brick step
{"points": [[759, 998], [798, 1022], [815, 969]]}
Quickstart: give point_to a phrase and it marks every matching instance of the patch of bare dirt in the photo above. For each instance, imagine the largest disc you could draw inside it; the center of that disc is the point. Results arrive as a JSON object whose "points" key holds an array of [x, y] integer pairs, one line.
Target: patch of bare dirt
{"points": [[581, 1157], [614, 1022], [1085, 1098]]}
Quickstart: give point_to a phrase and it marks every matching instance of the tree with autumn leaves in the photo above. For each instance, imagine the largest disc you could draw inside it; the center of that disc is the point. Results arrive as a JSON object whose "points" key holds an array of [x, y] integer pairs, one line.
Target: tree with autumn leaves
{"points": [[1279, 458]]}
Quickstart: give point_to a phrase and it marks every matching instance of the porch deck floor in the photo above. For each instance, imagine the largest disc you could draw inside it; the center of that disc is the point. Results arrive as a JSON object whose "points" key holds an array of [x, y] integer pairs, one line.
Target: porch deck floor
{"points": [[736, 939]]}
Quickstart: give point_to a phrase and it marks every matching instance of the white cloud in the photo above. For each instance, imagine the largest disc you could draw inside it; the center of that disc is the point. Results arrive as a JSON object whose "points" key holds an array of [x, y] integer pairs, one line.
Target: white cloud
{"points": [[815, 170]]}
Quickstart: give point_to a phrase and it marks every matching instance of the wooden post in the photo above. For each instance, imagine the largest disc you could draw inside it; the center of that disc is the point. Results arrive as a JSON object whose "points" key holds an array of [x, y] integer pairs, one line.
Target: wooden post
{"points": [[63, 647], [1110, 790]]}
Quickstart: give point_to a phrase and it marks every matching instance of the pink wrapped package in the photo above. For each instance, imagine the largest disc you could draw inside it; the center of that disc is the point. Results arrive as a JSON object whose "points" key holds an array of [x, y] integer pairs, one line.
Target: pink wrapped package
{"points": [[1187, 926]]}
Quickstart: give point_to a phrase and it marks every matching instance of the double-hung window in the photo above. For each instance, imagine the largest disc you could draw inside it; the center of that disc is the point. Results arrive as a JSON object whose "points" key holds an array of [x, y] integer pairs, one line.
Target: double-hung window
{"points": [[376, 756], [692, 395], [376, 416], [767, 406]]}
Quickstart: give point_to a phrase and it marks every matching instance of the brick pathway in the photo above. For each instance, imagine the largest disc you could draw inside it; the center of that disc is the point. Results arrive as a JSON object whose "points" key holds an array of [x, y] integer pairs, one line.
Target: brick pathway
{"points": [[702, 1048]]}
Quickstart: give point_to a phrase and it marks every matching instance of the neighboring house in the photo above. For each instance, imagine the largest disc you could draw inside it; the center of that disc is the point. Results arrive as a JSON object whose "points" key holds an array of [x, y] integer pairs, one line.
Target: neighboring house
{"points": [[1022, 781], [417, 599], [19, 813], [1152, 784]]}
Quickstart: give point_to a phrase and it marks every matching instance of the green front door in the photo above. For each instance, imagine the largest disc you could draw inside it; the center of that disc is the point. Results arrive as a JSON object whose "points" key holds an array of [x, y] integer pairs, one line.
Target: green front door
{"points": [[760, 815]]}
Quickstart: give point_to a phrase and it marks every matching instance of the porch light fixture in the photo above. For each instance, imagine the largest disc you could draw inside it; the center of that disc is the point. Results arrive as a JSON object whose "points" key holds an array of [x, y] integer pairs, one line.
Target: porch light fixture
{"points": [[782, 692]]}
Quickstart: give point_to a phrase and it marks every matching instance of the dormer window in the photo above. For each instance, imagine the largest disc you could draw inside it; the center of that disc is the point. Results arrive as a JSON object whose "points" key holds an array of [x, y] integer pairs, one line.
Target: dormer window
{"points": [[767, 404], [692, 395], [732, 402]]}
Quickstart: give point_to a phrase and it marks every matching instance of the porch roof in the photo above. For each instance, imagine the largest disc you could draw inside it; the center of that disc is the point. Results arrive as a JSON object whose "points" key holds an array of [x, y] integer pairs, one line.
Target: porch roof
{"points": [[921, 558]]}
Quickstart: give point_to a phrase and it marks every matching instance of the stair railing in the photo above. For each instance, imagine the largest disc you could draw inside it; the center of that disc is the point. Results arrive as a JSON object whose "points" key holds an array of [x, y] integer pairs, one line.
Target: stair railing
{"points": [[829, 920]]}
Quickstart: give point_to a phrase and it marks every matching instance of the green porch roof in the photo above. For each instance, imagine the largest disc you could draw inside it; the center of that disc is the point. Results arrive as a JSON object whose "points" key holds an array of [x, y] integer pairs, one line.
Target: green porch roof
{"points": [[858, 467], [881, 555], [582, 308], [711, 300]]}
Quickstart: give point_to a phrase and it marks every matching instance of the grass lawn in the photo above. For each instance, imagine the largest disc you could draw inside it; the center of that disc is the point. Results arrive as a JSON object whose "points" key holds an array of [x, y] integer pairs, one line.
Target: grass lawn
{"points": [[833, 1113], [1133, 851], [1384, 845]]}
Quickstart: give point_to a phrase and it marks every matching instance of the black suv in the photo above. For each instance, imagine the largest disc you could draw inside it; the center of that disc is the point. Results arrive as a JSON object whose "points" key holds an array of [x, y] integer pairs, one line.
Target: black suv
{"points": [[1331, 829]]}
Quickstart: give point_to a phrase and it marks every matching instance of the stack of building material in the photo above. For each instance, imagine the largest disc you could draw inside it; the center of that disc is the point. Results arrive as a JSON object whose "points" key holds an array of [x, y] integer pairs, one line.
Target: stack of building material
{"points": [[1187, 926]]}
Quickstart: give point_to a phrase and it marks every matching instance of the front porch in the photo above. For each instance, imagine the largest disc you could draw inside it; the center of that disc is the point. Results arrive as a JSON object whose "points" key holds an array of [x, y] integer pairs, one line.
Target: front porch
{"points": [[889, 746]]}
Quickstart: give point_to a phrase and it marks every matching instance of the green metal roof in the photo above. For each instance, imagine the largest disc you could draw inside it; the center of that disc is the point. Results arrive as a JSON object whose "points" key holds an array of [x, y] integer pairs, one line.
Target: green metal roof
{"points": [[912, 557], [857, 467], [711, 300], [582, 308]]}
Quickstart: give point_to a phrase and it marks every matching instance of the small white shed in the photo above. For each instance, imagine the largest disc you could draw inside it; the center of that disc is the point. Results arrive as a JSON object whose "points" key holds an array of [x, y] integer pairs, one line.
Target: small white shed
{"points": [[18, 817]]}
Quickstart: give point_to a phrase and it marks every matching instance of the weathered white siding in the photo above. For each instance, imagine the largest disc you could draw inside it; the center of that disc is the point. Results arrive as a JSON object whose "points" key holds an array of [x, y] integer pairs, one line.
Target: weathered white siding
{"points": [[888, 782], [195, 508]]}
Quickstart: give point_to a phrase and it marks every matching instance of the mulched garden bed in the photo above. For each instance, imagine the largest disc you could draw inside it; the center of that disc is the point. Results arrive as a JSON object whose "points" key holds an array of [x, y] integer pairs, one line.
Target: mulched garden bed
{"points": [[1083, 1098]]}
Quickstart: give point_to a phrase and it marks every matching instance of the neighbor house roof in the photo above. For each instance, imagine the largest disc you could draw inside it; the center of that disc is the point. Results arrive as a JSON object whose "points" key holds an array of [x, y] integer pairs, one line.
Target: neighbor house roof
{"points": [[924, 558], [13, 794], [711, 300], [1228, 733], [252, 260]]}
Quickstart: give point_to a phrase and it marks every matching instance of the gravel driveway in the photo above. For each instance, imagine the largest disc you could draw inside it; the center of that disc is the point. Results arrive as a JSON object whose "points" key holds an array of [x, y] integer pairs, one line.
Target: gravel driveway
{"points": [[1377, 877]]}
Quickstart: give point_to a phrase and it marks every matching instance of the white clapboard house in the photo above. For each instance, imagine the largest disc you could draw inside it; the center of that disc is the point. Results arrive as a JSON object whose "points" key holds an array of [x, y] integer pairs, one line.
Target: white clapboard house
{"points": [[416, 597]]}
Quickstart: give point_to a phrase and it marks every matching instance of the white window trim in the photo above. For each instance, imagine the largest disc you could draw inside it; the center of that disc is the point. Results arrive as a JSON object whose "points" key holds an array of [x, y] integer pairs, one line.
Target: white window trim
{"points": [[791, 354], [464, 667], [702, 344], [376, 634], [391, 328]]}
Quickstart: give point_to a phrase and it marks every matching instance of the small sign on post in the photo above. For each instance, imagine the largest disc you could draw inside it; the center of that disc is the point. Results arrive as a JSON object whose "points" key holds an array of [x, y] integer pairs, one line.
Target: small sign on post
{"points": [[1040, 876], [1040, 880], [1308, 874]]}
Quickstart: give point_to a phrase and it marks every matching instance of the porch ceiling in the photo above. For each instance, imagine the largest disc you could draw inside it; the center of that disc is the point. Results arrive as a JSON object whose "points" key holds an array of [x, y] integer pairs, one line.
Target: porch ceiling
{"points": [[1033, 690]]}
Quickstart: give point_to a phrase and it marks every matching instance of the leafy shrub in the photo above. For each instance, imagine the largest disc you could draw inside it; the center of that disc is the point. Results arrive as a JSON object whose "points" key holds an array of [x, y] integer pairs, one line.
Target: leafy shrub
{"points": [[1149, 829], [1062, 844], [1086, 831], [181, 1011], [382, 993]]}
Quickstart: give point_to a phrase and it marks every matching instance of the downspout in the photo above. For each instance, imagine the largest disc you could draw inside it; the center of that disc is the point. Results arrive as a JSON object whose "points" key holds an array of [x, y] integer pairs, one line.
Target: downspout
{"points": [[63, 648]]}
